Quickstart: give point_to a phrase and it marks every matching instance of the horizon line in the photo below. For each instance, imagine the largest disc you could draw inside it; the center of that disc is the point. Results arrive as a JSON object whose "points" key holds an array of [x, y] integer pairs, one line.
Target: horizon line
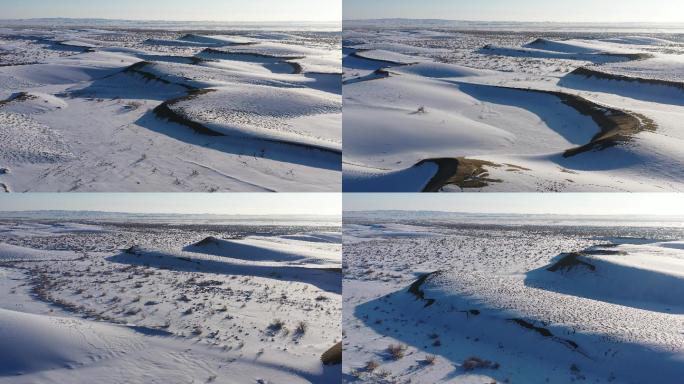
{"points": [[175, 20], [515, 21], [514, 213], [166, 213]]}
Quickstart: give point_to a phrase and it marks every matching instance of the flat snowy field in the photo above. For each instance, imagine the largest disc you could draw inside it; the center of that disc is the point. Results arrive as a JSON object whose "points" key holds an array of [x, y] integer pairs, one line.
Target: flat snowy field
{"points": [[84, 302], [438, 109], [434, 301], [140, 109]]}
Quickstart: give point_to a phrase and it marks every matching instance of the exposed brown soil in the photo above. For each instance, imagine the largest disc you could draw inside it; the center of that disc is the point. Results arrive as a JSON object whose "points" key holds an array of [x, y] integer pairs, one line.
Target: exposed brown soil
{"points": [[415, 288], [460, 171], [21, 96], [616, 126], [333, 356], [570, 261]]}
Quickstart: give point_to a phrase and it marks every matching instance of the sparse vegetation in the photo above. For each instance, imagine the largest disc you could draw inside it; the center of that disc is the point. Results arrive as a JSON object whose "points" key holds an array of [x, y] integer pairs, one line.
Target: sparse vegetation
{"points": [[276, 325], [430, 359], [396, 351], [301, 328], [473, 363], [371, 365]]}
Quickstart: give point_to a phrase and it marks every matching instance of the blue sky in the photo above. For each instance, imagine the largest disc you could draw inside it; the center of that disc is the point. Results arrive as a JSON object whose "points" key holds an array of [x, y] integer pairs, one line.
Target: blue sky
{"points": [[531, 203], [185, 10], [520, 10], [218, 203]]}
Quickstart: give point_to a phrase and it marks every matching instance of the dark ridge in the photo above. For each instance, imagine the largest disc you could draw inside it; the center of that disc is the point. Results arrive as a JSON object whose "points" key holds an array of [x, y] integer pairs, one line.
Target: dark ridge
{"points": [[19, 96], [569, 261], [387, 63], [211, 240], [379, 73], [138, 67], [224, 52], [602, 252], [164, 111], [133, 250], [189, 38], [526, 324], [19, 64], [333, 356], [79, 47], [538, 41], [616, 126], [591, 73], [415, 288], [296, 67], [629, 56], [545, 333], [194, 60], [608, 245]]}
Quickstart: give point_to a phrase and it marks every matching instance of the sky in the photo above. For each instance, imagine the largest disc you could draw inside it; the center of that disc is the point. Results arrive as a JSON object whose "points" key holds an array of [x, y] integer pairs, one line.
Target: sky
{"points": [[668, 11], [215, 203], [523, 203], [184, 10]]}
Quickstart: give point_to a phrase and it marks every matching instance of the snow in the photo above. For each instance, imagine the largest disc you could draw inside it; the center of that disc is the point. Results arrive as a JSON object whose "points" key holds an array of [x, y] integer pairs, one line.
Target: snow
{"points": [[493, 297], [359, 179], [502, 99], [96, 103], [271, 113], [112, 301]]}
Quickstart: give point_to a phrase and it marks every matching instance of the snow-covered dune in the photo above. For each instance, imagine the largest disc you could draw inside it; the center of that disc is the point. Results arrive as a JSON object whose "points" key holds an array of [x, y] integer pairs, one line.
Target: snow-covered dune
{"points": [[501, 113], [609, 273], [96, 91], [288, 249], [288, 115], [34, 343], [285, 266], [436, 300], [9, 253], [265, 311]]}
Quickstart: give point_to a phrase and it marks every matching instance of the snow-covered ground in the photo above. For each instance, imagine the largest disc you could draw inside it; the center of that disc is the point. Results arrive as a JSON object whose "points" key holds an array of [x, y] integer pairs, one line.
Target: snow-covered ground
{"points": [[511, 111], [129, 301], [435, 301], [115, 109]]}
